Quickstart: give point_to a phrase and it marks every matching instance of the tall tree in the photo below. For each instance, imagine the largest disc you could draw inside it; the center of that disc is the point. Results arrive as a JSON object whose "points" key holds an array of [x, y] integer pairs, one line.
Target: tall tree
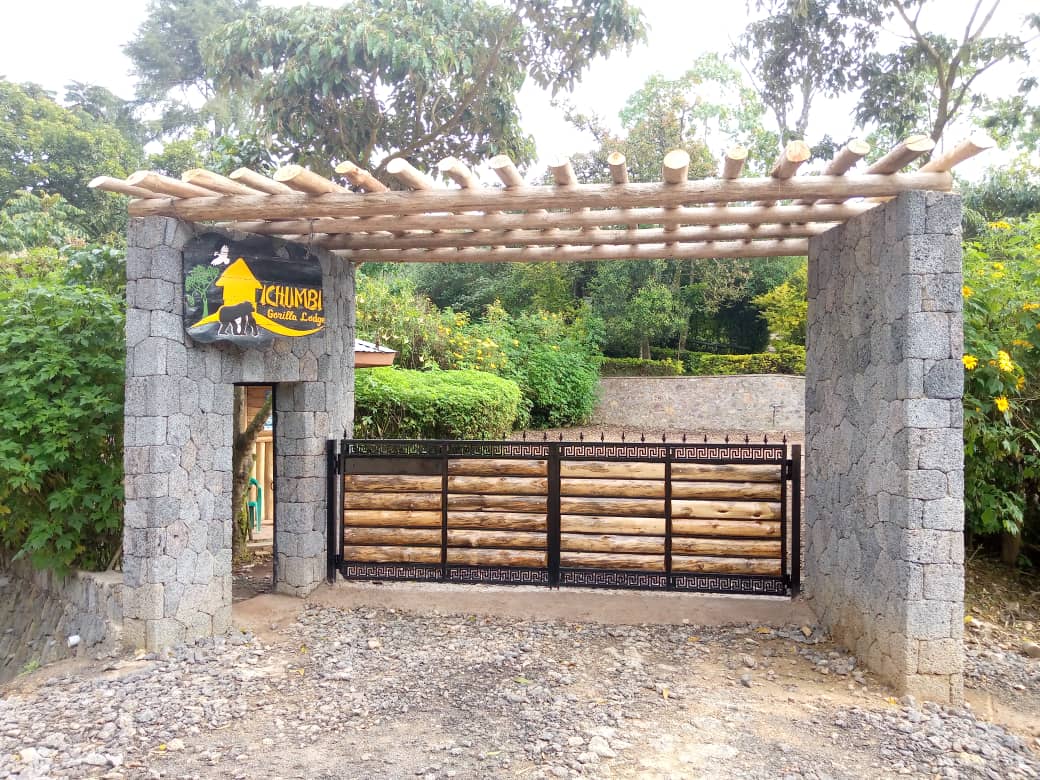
{"points": [[424, 80], [167, 58]]}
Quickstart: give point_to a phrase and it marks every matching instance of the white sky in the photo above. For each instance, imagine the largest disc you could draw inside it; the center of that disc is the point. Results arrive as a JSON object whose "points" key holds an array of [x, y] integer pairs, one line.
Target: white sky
{"points": [[82, 40]]}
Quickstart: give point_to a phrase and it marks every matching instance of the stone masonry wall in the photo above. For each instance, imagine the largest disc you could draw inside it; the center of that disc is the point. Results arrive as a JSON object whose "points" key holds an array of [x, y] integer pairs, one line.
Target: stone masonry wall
{"points": [[178, 435], [884, 459], [39, 611], [761, 403]]}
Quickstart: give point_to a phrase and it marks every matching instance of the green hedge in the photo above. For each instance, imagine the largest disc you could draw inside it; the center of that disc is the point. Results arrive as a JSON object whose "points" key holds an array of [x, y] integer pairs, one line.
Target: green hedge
{"points": [[788, 359], [394, 403], [640, 367]]}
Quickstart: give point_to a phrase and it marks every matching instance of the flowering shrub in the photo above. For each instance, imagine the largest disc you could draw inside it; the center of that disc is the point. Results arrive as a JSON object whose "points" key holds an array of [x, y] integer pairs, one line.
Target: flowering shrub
{"points": [[1002, 377]]}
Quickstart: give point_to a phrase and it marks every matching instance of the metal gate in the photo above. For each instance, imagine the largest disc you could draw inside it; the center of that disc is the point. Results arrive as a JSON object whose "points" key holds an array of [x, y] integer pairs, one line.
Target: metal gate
{"points": [[711, 517]]}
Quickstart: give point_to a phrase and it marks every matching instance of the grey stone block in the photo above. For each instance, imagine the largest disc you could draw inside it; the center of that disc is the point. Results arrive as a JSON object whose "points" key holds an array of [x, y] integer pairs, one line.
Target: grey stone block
{"points": [[927, 413], [945, 379]]}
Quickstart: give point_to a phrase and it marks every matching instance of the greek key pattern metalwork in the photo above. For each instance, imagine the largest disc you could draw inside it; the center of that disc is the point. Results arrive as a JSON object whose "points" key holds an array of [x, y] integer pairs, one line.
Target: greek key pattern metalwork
{"points": [[615, 451], [741, 453], [588, 578], [498, 575], [722, 583], [498, 449], [390, 571], [385, 449]]}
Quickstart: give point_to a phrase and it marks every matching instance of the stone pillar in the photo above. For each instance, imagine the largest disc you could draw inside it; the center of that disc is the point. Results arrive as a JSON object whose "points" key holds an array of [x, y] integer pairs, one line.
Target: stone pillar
{"points": [[884, 479], [178, 431]]}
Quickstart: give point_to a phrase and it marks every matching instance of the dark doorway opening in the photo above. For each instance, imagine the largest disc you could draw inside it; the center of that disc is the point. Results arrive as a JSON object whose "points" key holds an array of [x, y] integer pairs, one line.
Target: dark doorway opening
{"points": [[253, 496]]}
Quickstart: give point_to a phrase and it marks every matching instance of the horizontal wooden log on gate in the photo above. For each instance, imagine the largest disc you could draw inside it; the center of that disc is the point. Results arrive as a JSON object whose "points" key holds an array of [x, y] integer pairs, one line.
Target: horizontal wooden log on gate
{"points": [[390, 518], [496, 539], [585, 560], [400, 536], [496, 467], [391, 554], [499, 486], [354, 500], [599, 524], [706, 565], [738, 510], [471, 502], [744, 548], [466, 557], [617, 507], [734, 490], [742, 528], [396, 483], [611, 543], [610, 470], [616, 488], [498, 521], [725, 472]]}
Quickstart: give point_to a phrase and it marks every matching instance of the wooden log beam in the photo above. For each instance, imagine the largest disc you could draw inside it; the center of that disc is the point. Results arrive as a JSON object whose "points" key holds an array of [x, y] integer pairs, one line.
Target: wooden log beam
{"points": [[493, 467], [398, 536], [209, 180], [676, 166], [734, 490], [308, 182], [361, 178], [110, 184], [457, 171], [499, 486], [902, 155], [618, 169], [584, 560], [506, 171], [738, 510], [165, 185], [613, 488], [521, 558], [616, 507], [850, 154], [391, 518], [493, 539], [965, 150], [470, 502], [732, 548], [611, 470], [562, 172], [747, 248], [733, 162], [726, 472], [707, 565], [395, 483], [743, 528], [260, 182], [599, 524], [498, 521], [518, 238], [611, 543], [409, 175], [790, 160], [391, 554], [625, 196], [354, 500], [427, 223]]}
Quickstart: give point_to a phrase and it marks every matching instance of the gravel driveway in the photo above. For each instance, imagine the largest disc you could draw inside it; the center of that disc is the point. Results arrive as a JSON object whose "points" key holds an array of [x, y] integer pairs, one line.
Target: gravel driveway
{"points": [[368, 693]]}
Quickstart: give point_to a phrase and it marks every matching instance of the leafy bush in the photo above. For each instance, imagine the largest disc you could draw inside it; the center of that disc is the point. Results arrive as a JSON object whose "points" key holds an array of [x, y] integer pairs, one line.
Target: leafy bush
{"points": [[786, 307], [399, 403], [788, 359], [640, 367], [61, 422], [1002, 377]]}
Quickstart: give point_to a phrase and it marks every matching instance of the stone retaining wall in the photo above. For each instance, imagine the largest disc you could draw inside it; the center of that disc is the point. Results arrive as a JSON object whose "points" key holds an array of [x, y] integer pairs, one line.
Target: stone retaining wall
{"points": [[39, 611], [761, 402]]}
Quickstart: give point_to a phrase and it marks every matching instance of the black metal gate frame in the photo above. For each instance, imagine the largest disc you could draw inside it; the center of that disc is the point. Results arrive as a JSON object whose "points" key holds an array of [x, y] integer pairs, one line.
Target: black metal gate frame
{"points": [[428, 457]]}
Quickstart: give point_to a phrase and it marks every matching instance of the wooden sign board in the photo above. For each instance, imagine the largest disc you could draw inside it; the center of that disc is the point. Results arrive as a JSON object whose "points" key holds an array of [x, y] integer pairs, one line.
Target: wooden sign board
{"points": [[247, 292]]}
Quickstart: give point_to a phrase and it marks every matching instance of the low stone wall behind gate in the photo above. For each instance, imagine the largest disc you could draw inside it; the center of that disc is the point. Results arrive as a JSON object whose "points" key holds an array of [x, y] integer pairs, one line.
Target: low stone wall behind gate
{"points": [[40, 610], [758, 402]]}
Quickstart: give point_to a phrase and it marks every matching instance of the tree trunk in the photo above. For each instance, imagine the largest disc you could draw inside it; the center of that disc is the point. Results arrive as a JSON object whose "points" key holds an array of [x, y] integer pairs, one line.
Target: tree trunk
{"points": [[644, 348], [1010, 548], [244, 440]]}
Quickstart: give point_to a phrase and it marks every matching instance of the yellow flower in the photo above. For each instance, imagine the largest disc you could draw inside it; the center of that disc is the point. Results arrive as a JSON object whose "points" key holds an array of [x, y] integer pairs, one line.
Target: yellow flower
{"points": [[1020, 383], [1004, 361], [516, 343], [556, 348], [1030, 306], [970, 362], [1000, 225], [998, 266], [967, 292], [1001, 402], [1022, 343]]}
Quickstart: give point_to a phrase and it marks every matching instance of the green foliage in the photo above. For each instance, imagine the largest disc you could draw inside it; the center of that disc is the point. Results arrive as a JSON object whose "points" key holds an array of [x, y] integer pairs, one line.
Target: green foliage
{"points": [[788, 359], [399, 403], [1004, 192], [786, 307], [1002, 377], [31, 221], [196, 285], [46, 148], [61, 422], [421, 80], [640, 367]]}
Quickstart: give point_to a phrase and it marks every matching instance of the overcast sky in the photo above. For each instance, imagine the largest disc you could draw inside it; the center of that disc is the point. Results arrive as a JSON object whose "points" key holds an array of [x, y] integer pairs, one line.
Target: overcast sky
{"points": [[82, 40]]}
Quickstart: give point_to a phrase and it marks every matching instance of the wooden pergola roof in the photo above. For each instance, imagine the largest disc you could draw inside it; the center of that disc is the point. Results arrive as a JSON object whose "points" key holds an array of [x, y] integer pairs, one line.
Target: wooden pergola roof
{"points": [[675, 218]]}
